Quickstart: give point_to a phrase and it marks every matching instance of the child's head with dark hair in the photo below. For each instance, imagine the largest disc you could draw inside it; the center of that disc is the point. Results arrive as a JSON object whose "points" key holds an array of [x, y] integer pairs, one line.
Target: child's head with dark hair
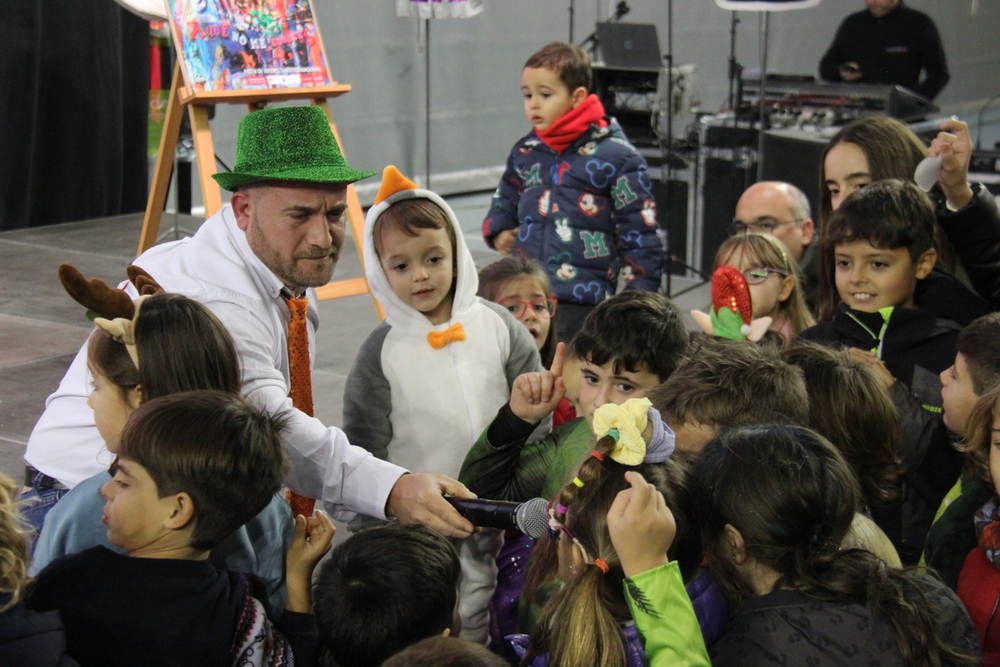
{"points": [[976, 370], [869, 149], [784, 489], [570, 63], [410, 216], [774, 504], [628, 344], [14, 554], [554, 81], [445, 652], [844, 394], [383, 589], [580, 625], [875, 247], [180, 346], [192, 467], [417, 247], [885, 214], [724, 384], [521, 285]]}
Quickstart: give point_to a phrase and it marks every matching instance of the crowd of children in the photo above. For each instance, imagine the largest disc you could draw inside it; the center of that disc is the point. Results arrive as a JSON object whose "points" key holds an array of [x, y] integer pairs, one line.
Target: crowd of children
{"points": [[709, 500]]}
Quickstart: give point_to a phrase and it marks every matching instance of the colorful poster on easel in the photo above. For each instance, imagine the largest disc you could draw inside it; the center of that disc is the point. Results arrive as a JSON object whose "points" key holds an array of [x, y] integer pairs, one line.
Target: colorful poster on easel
{"points": [[248, 44]]}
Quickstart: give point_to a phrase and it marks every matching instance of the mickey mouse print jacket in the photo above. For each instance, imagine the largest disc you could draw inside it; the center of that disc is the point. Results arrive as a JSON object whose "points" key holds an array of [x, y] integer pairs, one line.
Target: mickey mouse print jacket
{"points": [[585, 214]]}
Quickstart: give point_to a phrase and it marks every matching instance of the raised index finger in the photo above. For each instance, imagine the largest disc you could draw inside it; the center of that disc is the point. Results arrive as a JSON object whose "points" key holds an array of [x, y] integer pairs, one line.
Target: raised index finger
{"points": [[557, 360]]}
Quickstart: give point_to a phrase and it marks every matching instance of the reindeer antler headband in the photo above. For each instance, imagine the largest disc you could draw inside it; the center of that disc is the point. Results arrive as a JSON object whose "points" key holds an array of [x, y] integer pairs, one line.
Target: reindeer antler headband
{"points": [[112, 310]]}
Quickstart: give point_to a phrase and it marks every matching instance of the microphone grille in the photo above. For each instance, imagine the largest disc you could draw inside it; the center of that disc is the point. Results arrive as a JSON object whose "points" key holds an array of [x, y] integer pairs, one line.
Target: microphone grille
{"points": [[532, 517]]}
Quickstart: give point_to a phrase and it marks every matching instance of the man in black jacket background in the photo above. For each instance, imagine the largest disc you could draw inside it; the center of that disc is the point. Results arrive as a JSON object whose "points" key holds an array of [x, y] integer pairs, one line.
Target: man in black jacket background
{"points": [[888, 43]]}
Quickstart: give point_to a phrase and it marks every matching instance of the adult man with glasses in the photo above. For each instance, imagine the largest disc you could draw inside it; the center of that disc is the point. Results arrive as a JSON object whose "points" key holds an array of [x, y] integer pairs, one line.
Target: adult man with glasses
{"points": [[782, 211], [778, 209]]}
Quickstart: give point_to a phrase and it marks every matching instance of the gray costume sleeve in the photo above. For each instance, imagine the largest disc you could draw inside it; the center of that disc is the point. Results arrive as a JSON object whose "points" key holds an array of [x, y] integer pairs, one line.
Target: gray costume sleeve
{"points": [[523, 353], [367, 400]]}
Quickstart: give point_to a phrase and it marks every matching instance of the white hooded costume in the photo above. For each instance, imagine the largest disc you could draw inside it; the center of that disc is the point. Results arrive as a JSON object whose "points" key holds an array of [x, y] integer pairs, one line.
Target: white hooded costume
{"points": [[421, 407]]}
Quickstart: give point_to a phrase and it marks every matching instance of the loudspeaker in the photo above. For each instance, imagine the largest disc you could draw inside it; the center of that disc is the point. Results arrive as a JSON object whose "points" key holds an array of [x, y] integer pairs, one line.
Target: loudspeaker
{"points": [[793, 157], [724, 182]]}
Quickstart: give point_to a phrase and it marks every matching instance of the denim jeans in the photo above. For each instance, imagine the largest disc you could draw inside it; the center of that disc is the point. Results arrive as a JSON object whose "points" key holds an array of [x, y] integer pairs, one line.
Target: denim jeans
{"points": [[36, 503]]}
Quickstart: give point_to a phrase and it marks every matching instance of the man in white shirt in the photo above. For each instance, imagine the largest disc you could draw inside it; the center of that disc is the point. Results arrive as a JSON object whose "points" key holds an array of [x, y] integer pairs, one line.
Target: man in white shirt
{"points": [[280, 235]]}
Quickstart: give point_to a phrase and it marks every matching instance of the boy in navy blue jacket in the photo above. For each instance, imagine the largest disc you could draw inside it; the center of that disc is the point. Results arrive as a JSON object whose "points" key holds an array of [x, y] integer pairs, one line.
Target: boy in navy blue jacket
{"points": [[576, 196], [191, 468]]}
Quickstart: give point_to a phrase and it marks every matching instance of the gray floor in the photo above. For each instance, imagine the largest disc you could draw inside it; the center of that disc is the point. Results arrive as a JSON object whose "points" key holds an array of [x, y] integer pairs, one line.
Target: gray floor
{"points": [[41, 328]]}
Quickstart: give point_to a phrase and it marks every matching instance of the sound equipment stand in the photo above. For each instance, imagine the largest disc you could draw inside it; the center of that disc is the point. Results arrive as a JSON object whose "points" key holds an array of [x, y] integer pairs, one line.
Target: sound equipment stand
{"points": [[570, 40], [668, 155], [735, 68], [763, 27]]}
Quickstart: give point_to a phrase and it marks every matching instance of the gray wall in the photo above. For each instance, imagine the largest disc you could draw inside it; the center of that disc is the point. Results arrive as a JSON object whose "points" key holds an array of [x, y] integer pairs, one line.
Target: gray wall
{"points": [[475, 68]]}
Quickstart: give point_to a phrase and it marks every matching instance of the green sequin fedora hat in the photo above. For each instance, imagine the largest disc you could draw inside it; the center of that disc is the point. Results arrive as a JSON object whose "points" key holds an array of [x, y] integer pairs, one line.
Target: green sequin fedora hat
{"points": [[288, 144]]}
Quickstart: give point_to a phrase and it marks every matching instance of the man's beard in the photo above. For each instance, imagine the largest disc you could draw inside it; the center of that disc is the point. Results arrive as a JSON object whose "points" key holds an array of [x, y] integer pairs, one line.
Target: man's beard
{"points": [[290, 271]]}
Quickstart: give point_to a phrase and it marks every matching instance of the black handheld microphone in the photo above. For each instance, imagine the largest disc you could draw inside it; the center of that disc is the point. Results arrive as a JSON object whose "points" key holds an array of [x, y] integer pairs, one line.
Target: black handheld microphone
{"points": [[530, 518]]}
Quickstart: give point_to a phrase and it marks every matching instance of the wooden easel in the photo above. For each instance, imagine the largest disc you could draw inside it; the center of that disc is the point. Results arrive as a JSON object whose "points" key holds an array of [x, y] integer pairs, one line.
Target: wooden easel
{"points": [[196, 103]]}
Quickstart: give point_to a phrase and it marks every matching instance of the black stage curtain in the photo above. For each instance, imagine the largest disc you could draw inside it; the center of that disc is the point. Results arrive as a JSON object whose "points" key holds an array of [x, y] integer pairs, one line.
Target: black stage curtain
{"points": [[74, 99]]}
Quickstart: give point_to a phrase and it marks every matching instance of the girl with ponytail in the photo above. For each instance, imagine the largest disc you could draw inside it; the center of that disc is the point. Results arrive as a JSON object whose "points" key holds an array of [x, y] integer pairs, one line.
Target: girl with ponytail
{"points": [[774, 504], [589, 620]]}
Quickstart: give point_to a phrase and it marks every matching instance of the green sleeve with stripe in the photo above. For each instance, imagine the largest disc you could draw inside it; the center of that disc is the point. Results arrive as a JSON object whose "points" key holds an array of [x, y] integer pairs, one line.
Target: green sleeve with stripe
{"points": [[665, 619]]}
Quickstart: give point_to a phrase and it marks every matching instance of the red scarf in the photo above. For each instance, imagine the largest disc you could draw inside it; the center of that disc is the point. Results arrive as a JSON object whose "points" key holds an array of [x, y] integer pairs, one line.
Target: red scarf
{"points": [[568, 129]]}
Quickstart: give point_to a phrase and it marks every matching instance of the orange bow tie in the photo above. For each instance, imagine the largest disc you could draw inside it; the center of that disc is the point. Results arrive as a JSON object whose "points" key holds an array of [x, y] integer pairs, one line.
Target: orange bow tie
{"points": [[439, 339]]}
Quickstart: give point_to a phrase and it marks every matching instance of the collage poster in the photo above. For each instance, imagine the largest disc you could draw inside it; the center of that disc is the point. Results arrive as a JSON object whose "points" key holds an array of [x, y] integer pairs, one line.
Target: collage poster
{"points": [[248, 44]]}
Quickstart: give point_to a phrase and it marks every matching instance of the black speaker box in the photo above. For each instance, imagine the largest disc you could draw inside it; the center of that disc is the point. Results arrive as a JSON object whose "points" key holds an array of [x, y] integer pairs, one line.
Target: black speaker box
{"points": [[794, 157], [723, 184]]}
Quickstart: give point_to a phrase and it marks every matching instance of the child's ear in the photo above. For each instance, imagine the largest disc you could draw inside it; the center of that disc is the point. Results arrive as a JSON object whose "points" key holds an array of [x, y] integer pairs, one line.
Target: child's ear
{"points": [[737, 547], [134, 397], [446, 632], [787, 285], [180, 511], [578, 96], [925, 263]]}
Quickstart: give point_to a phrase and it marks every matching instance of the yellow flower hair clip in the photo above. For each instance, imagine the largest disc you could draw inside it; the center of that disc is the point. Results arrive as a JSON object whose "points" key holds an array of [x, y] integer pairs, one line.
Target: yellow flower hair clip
{"points": [[629, 420]]}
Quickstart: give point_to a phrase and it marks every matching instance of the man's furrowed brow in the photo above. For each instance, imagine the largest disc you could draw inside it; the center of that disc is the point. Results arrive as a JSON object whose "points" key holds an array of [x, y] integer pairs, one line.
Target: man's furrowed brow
{"points": [[299, 208], [303, 209]]}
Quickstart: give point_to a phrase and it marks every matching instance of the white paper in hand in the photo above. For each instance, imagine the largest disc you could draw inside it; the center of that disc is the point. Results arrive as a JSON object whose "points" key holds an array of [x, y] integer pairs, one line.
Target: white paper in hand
{"points": [[927, 172]]}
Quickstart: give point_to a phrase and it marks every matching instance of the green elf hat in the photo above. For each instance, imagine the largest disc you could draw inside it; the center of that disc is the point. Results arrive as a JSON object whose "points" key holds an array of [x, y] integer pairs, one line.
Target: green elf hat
{"points": [[288, 144]]}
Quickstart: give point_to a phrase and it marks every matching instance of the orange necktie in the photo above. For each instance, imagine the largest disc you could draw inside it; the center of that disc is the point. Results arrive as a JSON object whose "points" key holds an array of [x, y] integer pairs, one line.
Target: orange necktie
{"points": [[300, 375]]}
